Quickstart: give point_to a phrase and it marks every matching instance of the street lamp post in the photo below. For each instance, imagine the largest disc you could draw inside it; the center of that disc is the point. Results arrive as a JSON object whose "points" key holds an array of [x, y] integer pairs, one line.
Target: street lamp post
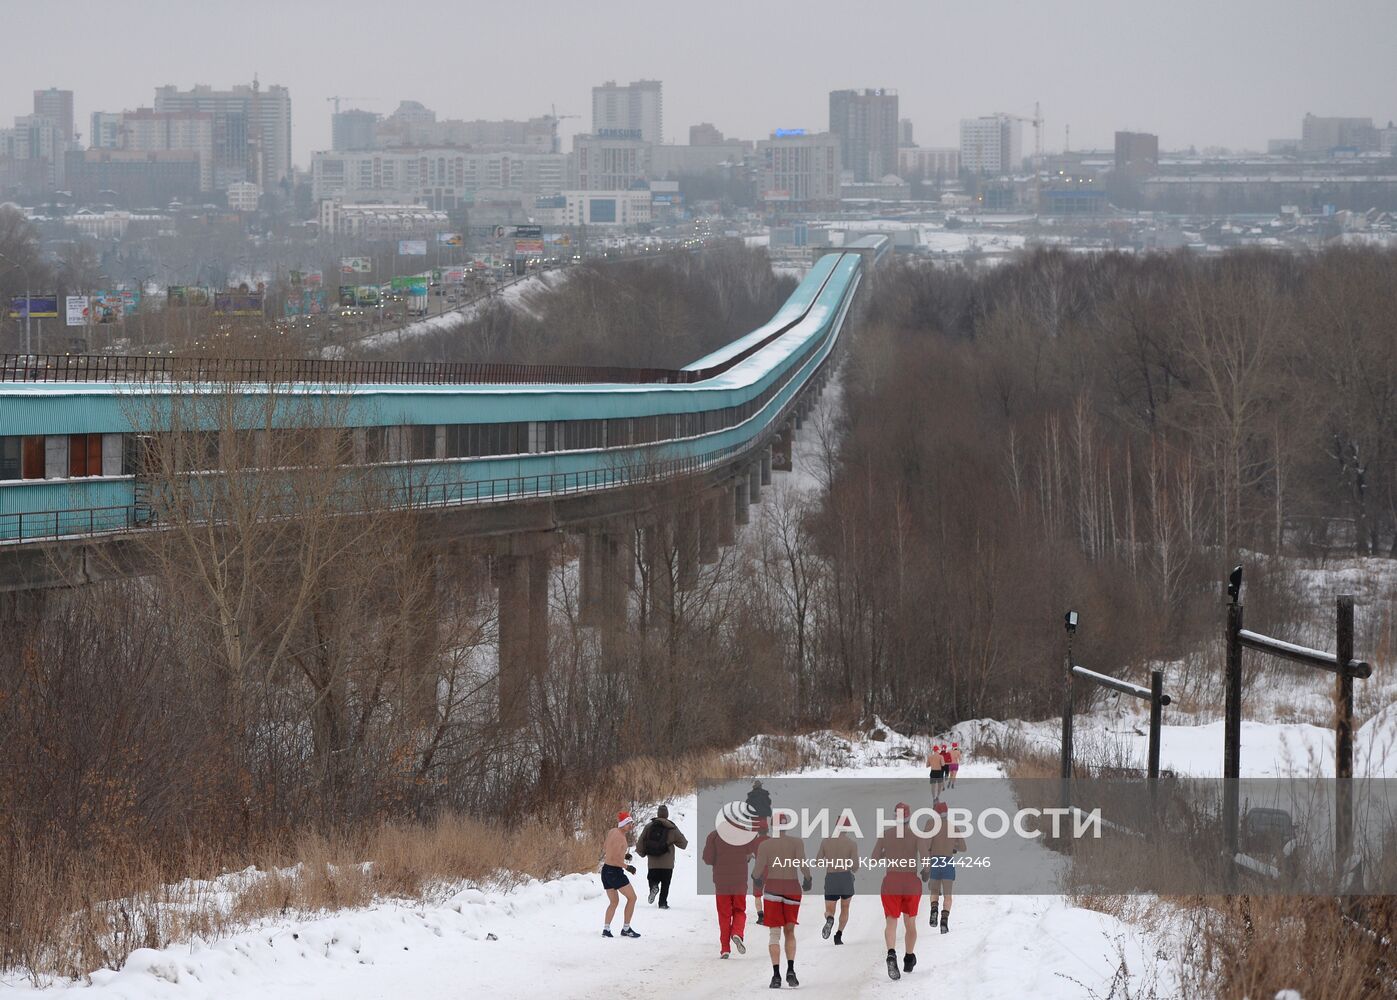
{"points": [[28, 301]]}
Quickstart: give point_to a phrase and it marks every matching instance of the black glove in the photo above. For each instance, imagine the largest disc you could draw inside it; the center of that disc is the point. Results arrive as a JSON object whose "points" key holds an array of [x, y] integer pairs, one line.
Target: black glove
{"points": [[628, 855], [806, 883], [926, 873], [631, 869]]}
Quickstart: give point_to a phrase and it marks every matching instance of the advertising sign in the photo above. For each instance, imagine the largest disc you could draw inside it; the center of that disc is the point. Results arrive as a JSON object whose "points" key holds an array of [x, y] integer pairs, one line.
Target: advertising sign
{"points": [[450, 239], [295, 279], [314, 279], [412, 248], [413, 284], [781, 133], [77, 310], [38, 306], [308, 303], [355, 265], [528, 248], [454, 275], [528, 232], [237, 303], [619, 133], [347, 298], [366, 295]]}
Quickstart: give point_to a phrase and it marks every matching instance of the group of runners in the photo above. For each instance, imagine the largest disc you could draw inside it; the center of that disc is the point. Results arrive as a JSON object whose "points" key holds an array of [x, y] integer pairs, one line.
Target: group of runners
{"points": [[767, 866]]}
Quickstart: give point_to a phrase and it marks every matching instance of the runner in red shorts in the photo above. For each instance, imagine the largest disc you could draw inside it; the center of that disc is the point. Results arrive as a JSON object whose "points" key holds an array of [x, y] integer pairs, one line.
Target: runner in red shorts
{"points": [[903, 853], [781, 870]]}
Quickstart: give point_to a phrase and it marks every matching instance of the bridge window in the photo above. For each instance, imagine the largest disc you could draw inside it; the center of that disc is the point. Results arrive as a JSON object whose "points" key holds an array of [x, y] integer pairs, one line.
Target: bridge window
{"points": [[84, 455]]}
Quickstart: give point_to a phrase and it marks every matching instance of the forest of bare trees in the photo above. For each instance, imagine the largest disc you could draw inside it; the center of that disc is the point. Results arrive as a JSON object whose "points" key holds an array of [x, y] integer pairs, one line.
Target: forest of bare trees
{"points": [[1102, 432]]}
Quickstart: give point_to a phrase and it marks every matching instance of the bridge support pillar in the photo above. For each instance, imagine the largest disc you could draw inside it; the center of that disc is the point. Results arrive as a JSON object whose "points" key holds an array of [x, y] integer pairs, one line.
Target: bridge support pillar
{"points": [[727, 520], [656, 548], [754, 483], [708, 530], [766, 466], [781, 448], [512, 579], [686, 536], [540, 564], [739, 500], [587, 578], [521, 569]]}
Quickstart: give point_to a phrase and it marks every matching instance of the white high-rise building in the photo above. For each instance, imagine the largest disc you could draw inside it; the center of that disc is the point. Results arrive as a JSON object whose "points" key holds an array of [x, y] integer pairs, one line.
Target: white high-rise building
{"points": [[635, 111], [991, 145]]}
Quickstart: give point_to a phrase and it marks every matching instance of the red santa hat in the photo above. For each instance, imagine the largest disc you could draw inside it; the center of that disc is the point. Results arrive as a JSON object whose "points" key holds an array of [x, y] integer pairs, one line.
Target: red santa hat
{"points": [[623, 819]]}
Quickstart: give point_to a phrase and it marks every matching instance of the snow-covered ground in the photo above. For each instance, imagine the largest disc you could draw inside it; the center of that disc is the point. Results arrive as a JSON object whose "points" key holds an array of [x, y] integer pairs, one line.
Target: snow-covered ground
{"points": [[517, 295], [543, 939]]}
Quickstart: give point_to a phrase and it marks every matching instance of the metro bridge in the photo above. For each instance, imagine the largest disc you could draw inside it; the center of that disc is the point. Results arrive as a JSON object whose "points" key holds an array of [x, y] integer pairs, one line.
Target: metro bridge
{"points": [[516, 454]]}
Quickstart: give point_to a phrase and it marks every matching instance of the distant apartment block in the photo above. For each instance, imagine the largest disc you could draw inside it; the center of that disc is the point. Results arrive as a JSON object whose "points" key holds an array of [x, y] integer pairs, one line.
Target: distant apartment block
{"points": [[352, 129], [866, 123], [705, 134], [1324, 134], [1137, 154], [800, 171], [634, 110], [380, 221], [928, 163], [606, 163], [251, 130], [991, 145], [442, 178]]}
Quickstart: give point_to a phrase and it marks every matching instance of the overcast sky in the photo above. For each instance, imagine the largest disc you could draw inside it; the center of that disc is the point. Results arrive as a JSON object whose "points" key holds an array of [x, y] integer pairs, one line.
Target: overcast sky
{"points": [[1197, 72]]}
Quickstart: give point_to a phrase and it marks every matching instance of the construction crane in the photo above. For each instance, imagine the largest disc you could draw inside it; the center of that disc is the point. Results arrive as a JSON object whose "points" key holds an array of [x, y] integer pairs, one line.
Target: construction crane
{"points": [[337, 98], [1037, 122]]}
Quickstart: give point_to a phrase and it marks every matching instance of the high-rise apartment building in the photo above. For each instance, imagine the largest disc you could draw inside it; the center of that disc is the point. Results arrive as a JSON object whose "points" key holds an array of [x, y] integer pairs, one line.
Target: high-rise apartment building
{"points": [[57, 105], [352, 129], [251, 130], [991, 145], [866, 123], [635, 111], [1137, 154], [105, 132]]}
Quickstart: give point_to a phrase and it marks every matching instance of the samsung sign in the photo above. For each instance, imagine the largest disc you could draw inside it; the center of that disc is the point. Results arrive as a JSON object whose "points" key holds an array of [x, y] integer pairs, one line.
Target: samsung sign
{"points": [[783, 132], [618, 133]]}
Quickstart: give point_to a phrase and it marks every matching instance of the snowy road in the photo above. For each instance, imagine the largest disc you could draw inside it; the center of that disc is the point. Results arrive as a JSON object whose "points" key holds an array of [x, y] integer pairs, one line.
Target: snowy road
{"points": [[547, 943]]}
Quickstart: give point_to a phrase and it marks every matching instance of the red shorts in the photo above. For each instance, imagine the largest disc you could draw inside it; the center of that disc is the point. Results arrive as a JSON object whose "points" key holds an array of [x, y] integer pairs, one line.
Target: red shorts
{"points": [[778, 914], [898, 905]]}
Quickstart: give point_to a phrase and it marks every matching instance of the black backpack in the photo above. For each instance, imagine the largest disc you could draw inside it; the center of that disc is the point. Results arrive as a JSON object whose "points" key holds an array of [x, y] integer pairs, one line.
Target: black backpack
{"points": [[656, 840]]}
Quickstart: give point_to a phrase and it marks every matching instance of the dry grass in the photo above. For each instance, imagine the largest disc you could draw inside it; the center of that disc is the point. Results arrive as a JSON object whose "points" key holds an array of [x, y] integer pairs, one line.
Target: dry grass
{"points": [[82, 915]]}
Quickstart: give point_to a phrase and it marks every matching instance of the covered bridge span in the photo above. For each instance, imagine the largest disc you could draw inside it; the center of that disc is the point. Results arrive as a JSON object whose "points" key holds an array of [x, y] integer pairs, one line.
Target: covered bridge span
{"points": [[436, 435]]}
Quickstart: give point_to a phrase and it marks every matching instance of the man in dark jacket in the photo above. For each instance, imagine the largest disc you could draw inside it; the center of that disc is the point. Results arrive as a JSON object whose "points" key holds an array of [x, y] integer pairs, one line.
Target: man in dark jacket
{"points": [[658, 841]]}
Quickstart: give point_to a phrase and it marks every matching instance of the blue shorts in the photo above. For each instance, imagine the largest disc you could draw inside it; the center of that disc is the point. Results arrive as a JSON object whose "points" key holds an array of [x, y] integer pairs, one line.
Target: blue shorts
{"points": [[943, 869], [613, 877]]}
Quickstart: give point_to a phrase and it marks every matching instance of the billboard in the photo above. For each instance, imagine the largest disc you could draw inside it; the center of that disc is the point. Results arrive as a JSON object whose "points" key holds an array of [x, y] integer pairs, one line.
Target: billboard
{"points": [[413, 284], [347, 297], [450, 239], [77, 310], [782, 133], [187, 295], [528, 232], [314, 279], [528, 248], [366, 295], [601, 209], [38, 306], [412, 248], [237, 303], [619, 133], [355, 265], [454, 275], [310, 302]]}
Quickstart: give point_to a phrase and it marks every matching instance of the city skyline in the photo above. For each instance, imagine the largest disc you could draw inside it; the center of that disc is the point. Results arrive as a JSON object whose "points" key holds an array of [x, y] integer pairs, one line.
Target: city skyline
{"points": [[1232, 85]]}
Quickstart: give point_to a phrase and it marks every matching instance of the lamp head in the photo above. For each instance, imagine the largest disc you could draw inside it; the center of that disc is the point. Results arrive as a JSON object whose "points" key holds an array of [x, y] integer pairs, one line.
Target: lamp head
{"points": [[1070, 621], [1234, 584]]}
